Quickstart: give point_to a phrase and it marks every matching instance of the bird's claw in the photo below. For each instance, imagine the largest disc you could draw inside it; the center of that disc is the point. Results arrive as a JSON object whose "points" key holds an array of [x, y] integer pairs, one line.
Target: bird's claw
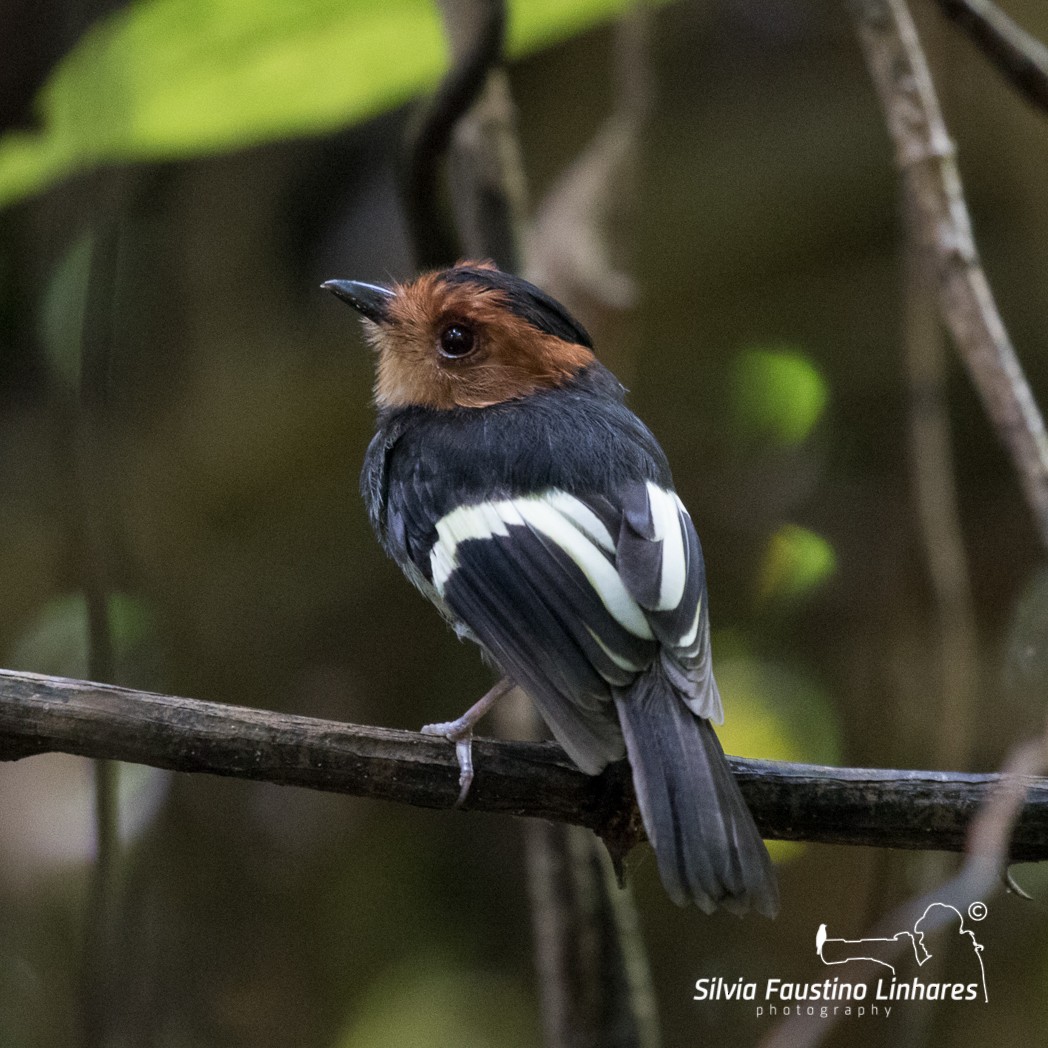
{"points": [[462, 736], [460, 732]]}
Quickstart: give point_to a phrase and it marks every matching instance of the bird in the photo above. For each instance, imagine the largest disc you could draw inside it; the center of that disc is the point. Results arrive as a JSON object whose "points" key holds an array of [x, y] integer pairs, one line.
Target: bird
{"points": [[516, 490]]}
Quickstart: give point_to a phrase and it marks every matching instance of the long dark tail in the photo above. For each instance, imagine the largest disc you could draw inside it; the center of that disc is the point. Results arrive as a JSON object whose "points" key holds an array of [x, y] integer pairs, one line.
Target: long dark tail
{"points": [[705, 840]]}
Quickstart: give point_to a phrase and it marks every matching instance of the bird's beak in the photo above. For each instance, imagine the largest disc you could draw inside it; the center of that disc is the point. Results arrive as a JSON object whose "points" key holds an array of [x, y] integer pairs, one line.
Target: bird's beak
{"points": [[371, 301]]}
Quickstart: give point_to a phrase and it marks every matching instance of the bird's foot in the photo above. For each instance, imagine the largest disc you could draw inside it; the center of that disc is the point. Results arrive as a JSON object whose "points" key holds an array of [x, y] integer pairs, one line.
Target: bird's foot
{"points": [[460, 732]]}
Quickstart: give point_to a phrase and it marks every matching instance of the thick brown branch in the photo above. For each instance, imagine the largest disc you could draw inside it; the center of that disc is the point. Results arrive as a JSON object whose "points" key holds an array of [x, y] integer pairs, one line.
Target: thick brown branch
{"points": [[894, 809], [924, 155]]}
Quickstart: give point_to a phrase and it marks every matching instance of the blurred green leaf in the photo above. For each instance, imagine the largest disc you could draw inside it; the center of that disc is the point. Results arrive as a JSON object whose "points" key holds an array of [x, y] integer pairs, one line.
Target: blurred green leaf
{"points": [[795, 561], [164, 79], [779, 394], [772, 712]]}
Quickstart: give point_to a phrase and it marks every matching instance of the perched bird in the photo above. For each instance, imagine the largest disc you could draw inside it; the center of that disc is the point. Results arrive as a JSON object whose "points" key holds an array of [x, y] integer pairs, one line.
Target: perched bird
{"points": [[516, 490]]}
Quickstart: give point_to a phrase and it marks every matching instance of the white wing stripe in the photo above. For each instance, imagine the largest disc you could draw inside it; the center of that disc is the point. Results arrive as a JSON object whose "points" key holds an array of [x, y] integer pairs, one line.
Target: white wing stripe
{"points": [[621, 661], [688, 640], [563, 520], [582, 517], [666, 519], [599, 572], [481, 521]]}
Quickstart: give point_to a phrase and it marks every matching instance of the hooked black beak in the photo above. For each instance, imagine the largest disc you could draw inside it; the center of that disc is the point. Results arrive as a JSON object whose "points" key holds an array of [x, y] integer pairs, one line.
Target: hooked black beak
{"points": [[371, 301]]}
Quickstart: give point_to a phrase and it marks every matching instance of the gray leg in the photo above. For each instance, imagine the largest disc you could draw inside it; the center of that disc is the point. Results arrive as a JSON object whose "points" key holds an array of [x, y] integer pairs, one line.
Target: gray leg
{"points": [[460, 732]]}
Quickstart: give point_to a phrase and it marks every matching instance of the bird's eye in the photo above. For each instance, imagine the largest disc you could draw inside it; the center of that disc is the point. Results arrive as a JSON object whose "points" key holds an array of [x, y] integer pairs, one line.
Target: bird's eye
{"points": [[457, 340]]}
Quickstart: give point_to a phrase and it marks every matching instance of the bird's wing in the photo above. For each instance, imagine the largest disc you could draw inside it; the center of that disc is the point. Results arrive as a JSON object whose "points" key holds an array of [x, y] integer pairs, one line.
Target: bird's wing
{"points": [[576, 595], [660, 560]]}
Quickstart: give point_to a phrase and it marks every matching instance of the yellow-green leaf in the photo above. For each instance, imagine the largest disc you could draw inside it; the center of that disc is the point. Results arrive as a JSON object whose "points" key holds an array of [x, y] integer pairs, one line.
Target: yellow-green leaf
{"points": [[779, 394], [166, 79], [795, 561]]}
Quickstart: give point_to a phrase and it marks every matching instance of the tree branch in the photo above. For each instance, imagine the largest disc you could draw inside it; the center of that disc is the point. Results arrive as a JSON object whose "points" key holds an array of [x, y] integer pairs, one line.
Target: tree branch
{"points": [[924, 156], [893, 809], [1019, 57]]}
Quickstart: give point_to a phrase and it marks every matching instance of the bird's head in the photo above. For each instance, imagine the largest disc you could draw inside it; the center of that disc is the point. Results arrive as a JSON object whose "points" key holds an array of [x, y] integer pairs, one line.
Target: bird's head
{"points": [[466, 337]]}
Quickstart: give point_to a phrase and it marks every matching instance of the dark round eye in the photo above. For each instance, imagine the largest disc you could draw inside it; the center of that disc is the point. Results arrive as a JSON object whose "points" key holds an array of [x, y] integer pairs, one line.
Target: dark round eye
{"points": [[457, 340]]}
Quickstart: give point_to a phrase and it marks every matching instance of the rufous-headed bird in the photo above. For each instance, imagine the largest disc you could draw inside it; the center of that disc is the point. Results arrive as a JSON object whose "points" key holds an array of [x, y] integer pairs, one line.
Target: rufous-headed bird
{"points": [[517, 491]]}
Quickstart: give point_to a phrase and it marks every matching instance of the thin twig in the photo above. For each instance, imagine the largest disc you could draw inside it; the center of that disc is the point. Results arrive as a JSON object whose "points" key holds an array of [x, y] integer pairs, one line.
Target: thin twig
{"points": [[1019, 57], [925, 158], [955, 653], [922, 810], [589, 958], [593, 973], [460, 88], [92, 506], [486, 177], [575, 245]]}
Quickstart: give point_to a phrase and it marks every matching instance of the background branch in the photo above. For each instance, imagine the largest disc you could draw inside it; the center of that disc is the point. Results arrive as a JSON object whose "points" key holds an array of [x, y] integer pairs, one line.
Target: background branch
{"points": [[1020, 58], [94, 529], [476, 47], [924, 155], [894, 809]]}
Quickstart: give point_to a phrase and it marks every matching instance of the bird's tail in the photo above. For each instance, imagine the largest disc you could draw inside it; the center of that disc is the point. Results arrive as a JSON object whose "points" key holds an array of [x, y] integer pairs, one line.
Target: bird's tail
{"points": [[705, 840]]}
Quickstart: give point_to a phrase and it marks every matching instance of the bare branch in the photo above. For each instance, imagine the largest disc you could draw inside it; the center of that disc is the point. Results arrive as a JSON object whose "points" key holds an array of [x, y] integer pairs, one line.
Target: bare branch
{"points": [[477, 49], [1019, 57], [925, 157], [923, 810]]}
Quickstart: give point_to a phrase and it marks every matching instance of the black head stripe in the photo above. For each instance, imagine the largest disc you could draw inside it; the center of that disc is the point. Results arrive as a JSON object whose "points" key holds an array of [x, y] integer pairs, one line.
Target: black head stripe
{"points": [[525, 301]]}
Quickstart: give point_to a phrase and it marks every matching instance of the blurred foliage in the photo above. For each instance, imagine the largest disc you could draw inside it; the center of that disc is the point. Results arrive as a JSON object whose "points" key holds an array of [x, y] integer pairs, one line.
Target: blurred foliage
{"points": [[55, 641], [795, 561], [773, 712], [432, 1003], [779, 395], [175, 78]]}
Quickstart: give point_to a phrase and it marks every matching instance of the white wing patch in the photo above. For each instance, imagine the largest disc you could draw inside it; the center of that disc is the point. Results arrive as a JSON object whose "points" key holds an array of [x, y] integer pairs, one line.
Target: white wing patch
{"points": [[560, 518], [481, 521], [665, 516], [599, 571], [687, 643], [583, 517]]}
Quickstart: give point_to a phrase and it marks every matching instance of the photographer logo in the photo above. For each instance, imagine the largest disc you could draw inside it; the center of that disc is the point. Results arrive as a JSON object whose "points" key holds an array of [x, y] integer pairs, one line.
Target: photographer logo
{"points": [[875, 975]]}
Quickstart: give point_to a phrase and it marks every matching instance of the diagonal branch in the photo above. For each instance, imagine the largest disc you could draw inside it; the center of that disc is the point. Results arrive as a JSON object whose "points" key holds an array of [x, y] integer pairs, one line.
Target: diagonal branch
{"points": [[1019, 57], [924, 156], [893, 809]]}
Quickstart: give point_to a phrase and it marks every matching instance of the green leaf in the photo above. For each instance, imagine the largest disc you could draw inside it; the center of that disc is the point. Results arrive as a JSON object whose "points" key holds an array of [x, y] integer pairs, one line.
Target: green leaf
{"points": [[795, 561], [167, 79], [779, 394]]}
